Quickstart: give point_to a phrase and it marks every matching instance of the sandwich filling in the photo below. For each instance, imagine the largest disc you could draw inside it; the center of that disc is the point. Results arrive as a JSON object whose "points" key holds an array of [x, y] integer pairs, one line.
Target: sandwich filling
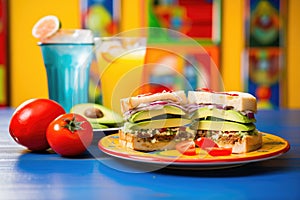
{"points": [[225, 125], [175, 134], [158, 121], [153, 109], [161, 122]]}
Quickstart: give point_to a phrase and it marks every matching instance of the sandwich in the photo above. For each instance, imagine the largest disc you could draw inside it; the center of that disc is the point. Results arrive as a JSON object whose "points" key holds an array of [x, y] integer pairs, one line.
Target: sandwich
{"points": [[228, 118], [154, 121]]}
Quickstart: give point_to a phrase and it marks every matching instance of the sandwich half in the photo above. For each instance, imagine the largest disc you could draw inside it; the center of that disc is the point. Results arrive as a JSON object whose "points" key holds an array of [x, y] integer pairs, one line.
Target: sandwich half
{"points": [[154, 121], [226, 117]]}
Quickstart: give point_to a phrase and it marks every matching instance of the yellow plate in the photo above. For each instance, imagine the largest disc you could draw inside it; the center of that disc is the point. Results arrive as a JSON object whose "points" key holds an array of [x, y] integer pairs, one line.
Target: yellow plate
{"points": [[273, 146]]}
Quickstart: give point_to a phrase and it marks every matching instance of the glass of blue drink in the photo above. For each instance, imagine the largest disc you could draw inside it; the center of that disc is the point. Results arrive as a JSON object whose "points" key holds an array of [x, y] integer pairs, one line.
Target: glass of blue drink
{"points": [[67, 57]]}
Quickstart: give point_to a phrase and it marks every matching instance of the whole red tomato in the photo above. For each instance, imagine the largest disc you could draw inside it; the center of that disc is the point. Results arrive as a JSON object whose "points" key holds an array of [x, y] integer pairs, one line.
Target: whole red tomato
{"points": [[70, 134], [29, 122]]}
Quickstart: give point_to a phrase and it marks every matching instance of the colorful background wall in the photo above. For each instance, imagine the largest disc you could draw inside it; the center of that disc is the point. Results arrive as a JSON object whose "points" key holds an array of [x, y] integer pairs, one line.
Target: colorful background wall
{"points": [[28, 76]]}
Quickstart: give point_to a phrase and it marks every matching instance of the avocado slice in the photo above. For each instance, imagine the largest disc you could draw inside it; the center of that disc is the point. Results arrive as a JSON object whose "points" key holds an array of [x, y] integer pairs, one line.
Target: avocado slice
{"points": [[148, 114], [97, 114], [160, 123], [230, 115], [99, 126], [222, 126]]}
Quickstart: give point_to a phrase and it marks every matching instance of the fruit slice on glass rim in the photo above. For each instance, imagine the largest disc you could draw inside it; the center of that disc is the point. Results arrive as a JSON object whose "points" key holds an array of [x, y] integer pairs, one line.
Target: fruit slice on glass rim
{"points": [[46, 27], [112, 53]]}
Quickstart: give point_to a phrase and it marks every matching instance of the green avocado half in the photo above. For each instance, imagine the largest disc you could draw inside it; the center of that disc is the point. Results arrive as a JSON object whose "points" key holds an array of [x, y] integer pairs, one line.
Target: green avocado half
{"points": [[148, 114], [160, 123], [221, 126], [230, 115], [98, 115]]}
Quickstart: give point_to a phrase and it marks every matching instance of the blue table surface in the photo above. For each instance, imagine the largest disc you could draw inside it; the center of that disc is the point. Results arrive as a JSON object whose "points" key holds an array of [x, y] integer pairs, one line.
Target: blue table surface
{"points": [[95, 175]]}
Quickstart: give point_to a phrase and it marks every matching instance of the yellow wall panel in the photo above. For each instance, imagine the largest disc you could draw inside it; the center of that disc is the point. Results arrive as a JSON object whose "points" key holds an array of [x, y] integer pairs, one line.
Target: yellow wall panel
{"points": [[133, 14], [232, 44], [293, 49], [2, 85], [28, 75]]}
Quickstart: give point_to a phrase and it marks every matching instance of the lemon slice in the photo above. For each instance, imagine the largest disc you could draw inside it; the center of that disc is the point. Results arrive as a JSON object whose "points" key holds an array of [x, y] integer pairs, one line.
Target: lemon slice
{"points": [[46, 27], [112, 53]]}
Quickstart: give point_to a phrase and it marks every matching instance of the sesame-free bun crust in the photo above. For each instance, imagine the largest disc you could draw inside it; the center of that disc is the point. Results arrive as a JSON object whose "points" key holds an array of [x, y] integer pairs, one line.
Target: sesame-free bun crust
{"points": [[240, 101], [248, 143], [133, 102], [129, 140]]}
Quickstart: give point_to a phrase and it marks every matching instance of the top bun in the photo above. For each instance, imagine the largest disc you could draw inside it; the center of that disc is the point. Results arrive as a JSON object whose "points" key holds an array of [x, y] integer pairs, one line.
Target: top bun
{"points": [[240, 101], [133, 102]]}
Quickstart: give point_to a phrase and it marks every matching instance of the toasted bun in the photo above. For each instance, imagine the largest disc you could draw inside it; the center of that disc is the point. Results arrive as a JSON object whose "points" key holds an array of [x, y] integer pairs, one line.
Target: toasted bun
{"points": [[248, 143], [238, 100], [129, 140], [133, 102]]}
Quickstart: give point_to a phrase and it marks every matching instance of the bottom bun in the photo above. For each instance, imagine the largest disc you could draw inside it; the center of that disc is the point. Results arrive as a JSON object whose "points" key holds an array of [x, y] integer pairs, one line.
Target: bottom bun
{"points": [[246, 144], [131, 141]]}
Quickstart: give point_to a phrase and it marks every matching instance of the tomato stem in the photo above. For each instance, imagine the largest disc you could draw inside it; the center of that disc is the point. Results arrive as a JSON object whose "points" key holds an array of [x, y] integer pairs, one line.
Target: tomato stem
{"points": [[72, 124]]}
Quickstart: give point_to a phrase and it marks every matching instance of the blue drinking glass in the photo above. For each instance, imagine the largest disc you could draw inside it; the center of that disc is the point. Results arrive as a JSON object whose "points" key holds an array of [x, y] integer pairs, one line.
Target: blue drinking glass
{"points": [[68, 67]]}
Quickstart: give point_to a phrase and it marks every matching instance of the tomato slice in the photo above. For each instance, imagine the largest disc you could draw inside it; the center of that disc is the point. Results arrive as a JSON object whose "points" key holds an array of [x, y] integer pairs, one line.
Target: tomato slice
{"points": [[205, 143], [187, 148], [219, 151]]}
